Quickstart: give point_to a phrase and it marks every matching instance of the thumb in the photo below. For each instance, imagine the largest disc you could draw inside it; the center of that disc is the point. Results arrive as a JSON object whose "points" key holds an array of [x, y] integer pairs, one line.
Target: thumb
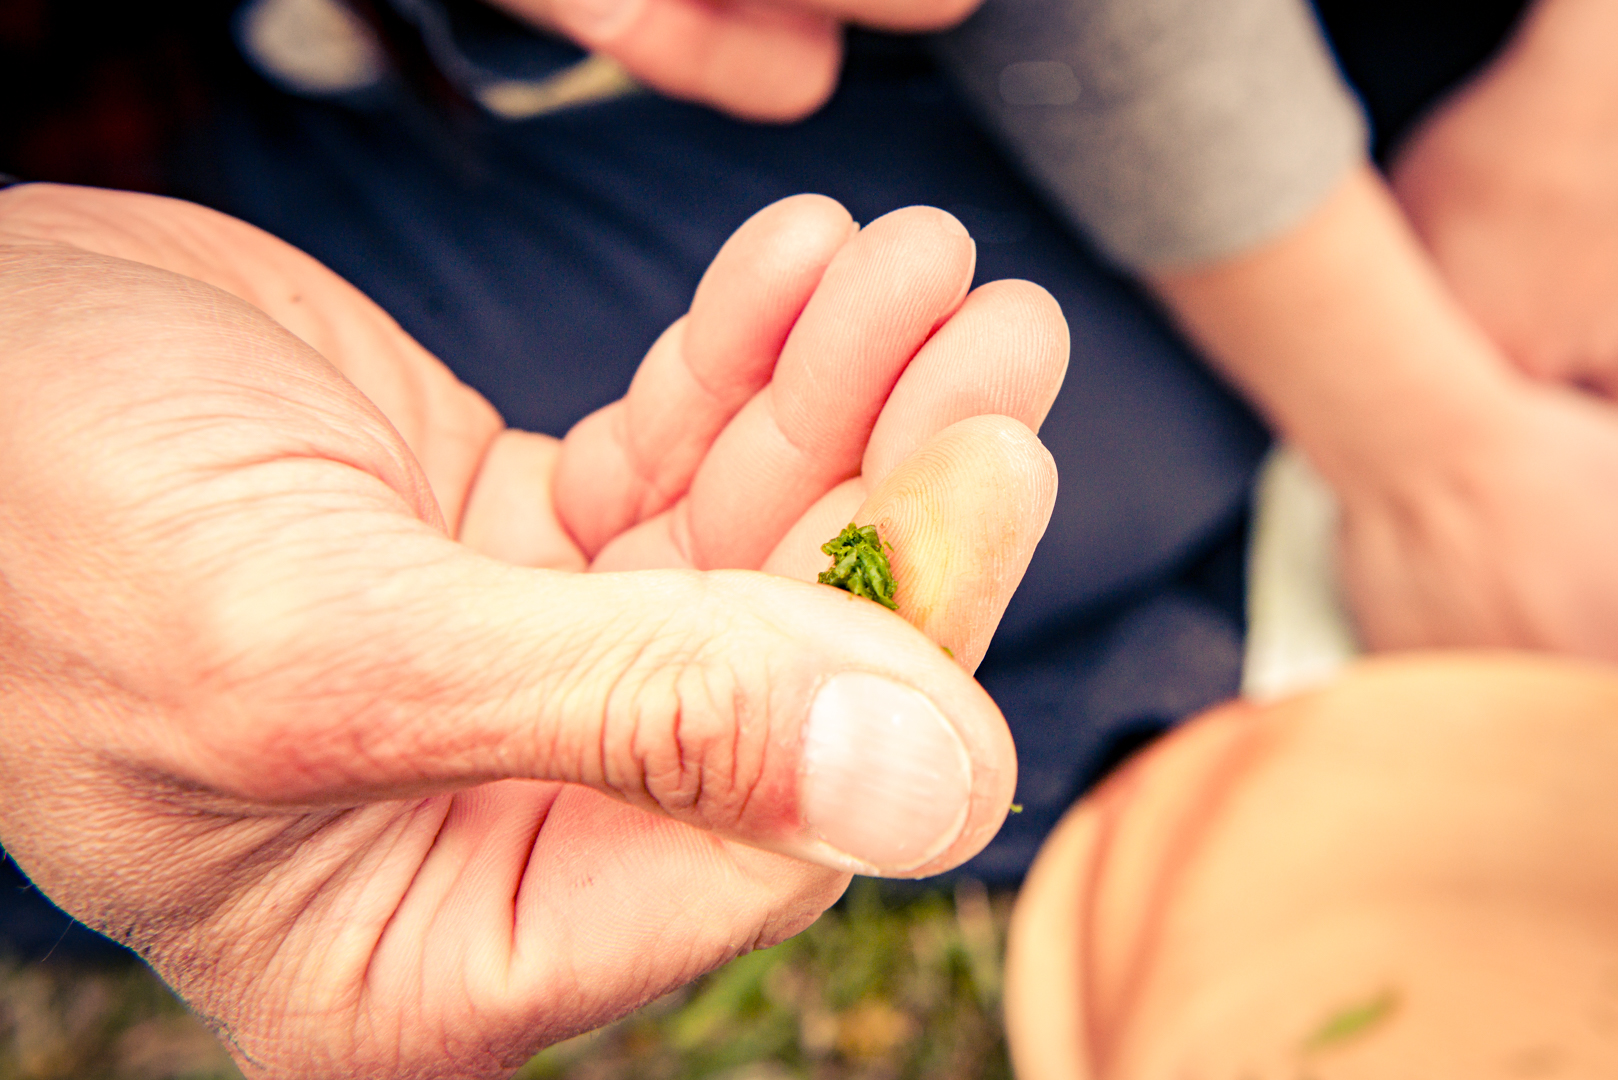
{"points": [[786, 715]]}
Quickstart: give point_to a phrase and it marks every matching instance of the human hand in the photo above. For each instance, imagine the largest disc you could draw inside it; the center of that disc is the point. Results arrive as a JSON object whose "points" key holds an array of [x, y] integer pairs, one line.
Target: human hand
{"points": [[1476, 502], [361, 794], [1497, 532], [1512, 184], [768, 60]]}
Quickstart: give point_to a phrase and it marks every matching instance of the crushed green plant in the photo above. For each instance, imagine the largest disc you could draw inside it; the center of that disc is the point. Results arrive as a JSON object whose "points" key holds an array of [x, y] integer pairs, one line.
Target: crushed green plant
{"points": [[860, 565], [1353, 1021]]}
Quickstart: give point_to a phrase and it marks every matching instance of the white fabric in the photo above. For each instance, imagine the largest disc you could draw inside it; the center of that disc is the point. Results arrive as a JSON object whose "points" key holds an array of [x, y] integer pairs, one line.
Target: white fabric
{"points": [[1299, 630]]}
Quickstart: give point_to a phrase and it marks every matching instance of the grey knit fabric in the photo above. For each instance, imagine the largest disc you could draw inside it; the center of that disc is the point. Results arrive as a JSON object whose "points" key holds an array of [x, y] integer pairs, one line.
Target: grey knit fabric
{"points": [[1175, 132]]}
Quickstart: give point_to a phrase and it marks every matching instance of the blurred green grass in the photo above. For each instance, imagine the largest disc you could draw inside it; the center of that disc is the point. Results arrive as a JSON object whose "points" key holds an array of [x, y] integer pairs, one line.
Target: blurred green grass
{"points": [[894, 983]]}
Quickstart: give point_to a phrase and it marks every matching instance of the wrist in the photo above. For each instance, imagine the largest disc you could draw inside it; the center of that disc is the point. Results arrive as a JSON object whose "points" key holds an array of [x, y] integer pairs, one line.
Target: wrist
{"points": [[1343, 336]]}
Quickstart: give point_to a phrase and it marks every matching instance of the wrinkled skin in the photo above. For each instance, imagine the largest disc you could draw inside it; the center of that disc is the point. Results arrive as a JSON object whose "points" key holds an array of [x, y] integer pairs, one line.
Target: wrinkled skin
{"points": [[304, 693]]}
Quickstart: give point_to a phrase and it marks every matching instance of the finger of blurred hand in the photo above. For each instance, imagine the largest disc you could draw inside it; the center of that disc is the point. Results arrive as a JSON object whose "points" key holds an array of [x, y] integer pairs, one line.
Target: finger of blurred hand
{"points": [[963, 515], [754, 59], [1512, 184], [1502, 539], [769, 60], [1534, 258], [882, 296], [630, 460]]}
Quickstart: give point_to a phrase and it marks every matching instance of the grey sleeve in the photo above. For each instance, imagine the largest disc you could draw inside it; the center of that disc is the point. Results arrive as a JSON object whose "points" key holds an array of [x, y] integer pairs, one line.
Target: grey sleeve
{"points": [[1174, 132]]}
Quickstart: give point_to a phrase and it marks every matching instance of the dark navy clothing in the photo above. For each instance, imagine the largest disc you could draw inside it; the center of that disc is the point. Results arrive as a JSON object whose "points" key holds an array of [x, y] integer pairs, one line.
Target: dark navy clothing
{"points": [[32, 928]]}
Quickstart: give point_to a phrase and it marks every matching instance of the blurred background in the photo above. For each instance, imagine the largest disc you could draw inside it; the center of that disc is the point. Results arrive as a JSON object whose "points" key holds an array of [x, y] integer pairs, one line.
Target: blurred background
{"points": [[892, 984], [103, 93]]}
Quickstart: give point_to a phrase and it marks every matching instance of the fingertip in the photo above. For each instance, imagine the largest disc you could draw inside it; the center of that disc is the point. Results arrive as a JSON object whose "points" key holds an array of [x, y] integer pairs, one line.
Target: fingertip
{"points": [[935, 236], [778, 64], [1003, 351], [1032, 303], [949, 223], [922, 220], [788, 94], [806, 228], [810, 201], [964, 514], [1039, 346], [756, 288], [947, 13]]}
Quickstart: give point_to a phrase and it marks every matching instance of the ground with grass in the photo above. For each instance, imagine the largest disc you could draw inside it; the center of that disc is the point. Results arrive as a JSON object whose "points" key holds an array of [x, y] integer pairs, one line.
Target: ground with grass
{"points": [[888, 985]]}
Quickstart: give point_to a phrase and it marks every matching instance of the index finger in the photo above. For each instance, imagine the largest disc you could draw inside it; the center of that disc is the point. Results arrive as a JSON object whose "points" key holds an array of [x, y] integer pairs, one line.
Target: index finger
{"points": [[881, 298]]}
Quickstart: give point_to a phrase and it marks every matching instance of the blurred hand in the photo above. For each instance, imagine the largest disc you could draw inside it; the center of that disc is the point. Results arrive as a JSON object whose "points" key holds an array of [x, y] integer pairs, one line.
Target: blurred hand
{"points": [[756, 59], [381, 805], [1478, 504], [1501, 533], [1513, 186]]}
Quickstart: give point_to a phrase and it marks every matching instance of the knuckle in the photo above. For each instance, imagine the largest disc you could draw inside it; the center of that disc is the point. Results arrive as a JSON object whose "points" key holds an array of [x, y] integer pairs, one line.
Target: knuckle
{"points": [[696, 745]]}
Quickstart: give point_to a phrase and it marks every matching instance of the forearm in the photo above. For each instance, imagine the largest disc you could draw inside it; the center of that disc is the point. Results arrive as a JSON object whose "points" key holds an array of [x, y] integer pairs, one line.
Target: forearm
{"points": [[1342, 335]]}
